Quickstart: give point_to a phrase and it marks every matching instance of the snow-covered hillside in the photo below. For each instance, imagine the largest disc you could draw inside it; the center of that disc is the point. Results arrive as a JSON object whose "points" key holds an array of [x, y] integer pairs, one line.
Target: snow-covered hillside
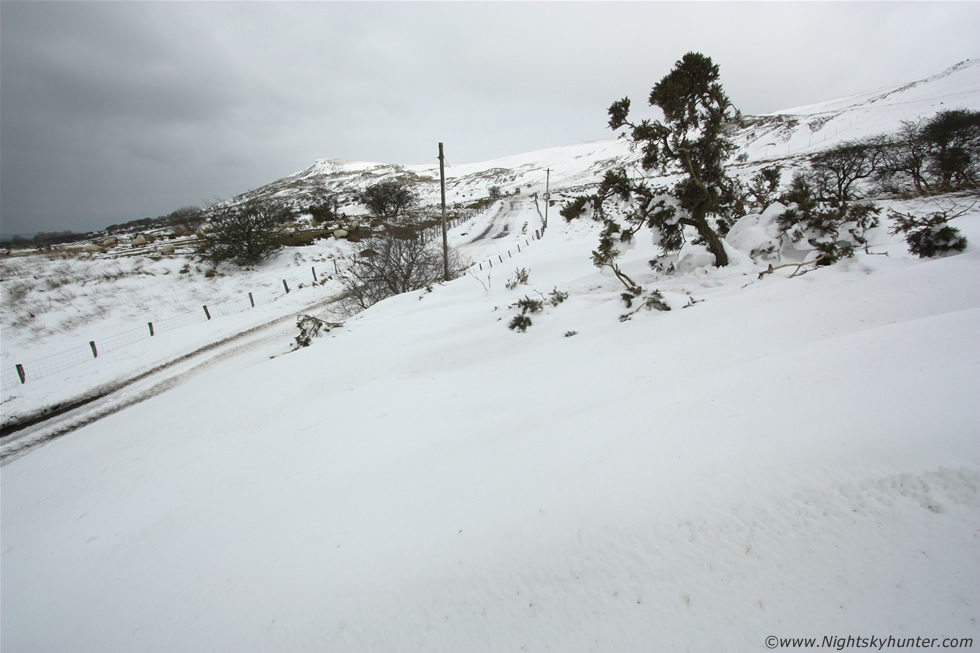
{"points": [[809, 129], [776, 456], [785, 136]]}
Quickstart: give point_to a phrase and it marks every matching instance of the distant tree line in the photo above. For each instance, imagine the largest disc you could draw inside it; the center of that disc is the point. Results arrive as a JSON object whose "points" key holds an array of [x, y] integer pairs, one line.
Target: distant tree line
{"points": [[46, 239], [925, 157], [247, 233]]}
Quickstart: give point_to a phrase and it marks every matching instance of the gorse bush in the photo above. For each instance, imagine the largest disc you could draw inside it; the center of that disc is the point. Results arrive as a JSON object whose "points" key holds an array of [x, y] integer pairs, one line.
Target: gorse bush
{"points": [[928, 236], [528, 305], [764, 186], [310, 327], [693, 142]]}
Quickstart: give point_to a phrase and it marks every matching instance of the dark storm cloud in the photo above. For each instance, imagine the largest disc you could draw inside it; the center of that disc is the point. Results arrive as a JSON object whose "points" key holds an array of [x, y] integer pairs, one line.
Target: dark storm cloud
{"points": [[113, 111]]}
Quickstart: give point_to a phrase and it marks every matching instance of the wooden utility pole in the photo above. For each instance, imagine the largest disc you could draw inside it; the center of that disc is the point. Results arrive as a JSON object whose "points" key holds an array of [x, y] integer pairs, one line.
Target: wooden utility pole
{"points": [[547, 196], [445, 234]]}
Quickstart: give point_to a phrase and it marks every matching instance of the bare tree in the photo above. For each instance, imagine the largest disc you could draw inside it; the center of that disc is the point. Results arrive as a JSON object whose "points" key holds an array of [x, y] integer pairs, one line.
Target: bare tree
{"points": [[838, 169], [392, 266]]}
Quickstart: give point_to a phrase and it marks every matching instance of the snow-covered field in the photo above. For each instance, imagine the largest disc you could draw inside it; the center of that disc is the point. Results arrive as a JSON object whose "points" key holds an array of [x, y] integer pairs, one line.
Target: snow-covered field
{"points": [[788, 457]]}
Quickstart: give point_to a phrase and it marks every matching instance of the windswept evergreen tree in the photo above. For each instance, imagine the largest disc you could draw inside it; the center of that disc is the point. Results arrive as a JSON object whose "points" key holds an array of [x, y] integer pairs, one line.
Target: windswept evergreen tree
{"points": [[692, 141]]}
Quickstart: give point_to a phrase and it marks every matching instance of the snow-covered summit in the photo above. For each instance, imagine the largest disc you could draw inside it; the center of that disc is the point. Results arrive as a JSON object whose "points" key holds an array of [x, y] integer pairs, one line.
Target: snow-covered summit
{"points": [[788, 134], [806, 130]]}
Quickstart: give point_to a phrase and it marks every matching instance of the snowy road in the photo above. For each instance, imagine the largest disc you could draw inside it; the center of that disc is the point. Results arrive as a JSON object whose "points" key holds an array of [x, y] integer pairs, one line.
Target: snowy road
{"points": [[505, 223], [244, 348]]}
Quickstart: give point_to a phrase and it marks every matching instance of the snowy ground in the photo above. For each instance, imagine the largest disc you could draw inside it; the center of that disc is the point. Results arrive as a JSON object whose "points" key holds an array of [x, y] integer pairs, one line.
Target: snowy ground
{"points": [[54, 305], [788, 456]]}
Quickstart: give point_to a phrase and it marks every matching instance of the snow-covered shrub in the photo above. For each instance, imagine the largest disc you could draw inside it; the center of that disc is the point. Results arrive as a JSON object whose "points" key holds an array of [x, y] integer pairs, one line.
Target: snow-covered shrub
{"points": [[309, 327], [556, 297], [832, 228], [519, 323], [928, 236], [764, 186], [400, 265], [653, 301], [528, 305], [834, 232], [519, 279]]}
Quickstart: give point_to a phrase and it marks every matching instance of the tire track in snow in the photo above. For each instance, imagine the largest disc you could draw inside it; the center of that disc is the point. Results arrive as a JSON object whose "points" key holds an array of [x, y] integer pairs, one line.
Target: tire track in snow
{"points": [[21, 438]]}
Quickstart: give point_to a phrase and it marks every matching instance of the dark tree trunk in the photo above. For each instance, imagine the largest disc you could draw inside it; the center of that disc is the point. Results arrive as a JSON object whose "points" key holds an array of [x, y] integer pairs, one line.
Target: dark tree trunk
{"points": [[715, 246]]}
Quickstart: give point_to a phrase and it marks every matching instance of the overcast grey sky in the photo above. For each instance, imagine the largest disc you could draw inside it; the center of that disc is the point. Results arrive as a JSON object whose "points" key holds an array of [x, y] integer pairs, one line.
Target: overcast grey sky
{"points": [[113, 111]]}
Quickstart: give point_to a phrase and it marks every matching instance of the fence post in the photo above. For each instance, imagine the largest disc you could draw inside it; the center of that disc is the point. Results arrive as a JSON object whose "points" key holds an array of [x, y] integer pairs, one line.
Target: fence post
{"points": [[151, 328], [207, 312], [285, 286], [314, 275], [95, 352], [251, 300], [21, 374], [500, 257]]}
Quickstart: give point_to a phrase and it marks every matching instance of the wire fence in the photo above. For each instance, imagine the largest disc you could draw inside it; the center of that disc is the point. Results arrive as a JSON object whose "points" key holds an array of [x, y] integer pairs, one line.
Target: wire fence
{"points": [[38, 368], [32, 370]]}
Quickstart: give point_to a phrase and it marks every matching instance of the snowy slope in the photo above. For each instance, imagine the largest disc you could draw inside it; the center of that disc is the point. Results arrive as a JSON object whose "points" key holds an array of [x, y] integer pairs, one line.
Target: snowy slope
{"points": [[78, 302], [788, 457], [793, 133], [810, 129]]}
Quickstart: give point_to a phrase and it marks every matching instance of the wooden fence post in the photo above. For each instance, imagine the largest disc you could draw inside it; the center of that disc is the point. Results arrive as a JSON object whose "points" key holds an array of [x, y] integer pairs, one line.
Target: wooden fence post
{"points": [[21, 374], [150, 324], [251, 300], [285, 286], [207, 312], [95, 352], [314, 275]]}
